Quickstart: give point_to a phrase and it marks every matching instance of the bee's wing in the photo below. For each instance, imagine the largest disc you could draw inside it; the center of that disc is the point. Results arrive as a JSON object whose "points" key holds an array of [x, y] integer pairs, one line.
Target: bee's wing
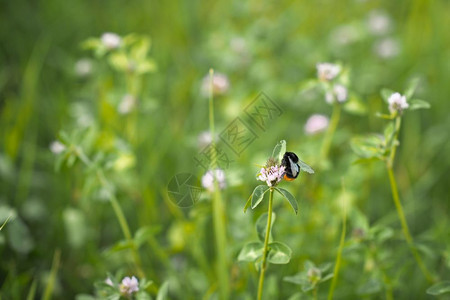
{"points": [[294, 168], [305, 167]]}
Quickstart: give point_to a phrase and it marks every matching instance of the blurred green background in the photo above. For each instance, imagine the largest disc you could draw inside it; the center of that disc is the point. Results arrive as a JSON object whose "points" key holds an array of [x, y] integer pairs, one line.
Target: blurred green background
{"points": [[260, 46]]}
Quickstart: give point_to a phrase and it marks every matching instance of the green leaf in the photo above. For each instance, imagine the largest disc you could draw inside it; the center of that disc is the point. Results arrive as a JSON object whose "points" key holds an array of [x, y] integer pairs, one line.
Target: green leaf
{"points": [[279, 150], [372, 286], [385, 94], [261, 226], [289, 197], [299, 279], [411, 87], [415, 104], [251, 252], [279, 253], [439, 288], [327, 277], [163, 291], [369, 146], [19, 236], [258, 194], [143, 234], [247, 204], [355, 106], [384, 116]]}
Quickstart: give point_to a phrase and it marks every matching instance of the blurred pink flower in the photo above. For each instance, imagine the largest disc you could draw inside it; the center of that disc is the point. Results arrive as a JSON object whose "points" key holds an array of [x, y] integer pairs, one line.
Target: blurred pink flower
{"points": [[315, 124], [129, 286], [208, 179], [327, 71], [220, 84], [111, 40]]}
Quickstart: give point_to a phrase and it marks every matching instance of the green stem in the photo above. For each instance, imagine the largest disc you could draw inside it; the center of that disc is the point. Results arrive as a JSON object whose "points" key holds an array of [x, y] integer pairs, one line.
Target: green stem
{"points": [[335, 116], [117, 211], [405, 228], [218, 209], [266, 244], [398, 204], [339, 254]]}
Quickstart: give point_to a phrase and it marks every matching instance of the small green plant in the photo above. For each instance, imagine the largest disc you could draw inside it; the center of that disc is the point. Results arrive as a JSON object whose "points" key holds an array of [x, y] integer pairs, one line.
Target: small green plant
{"points": [[266, 250], [311, 277], [383, 147]]}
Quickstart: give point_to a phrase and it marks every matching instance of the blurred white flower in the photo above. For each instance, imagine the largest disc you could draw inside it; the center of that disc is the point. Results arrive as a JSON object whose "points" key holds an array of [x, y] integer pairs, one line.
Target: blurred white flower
{"points": [[208, 179], [127, 104], [129, 286], [83, 67], [109, 282], [271, 175], [220, 84], [387, 48], [339, 94], [327, 71], [111, 40], [315, 124], [204, 139], [378, 22], [345, 35], [57, 147], [397, 102]]}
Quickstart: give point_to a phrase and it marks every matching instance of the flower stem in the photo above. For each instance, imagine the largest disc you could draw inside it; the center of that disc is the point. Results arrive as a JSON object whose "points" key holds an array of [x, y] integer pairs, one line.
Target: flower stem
{"points": [[339, 253], [266, 243], [406, 233], [117, 211], [398, 204], [218, 208], [335, 116]]}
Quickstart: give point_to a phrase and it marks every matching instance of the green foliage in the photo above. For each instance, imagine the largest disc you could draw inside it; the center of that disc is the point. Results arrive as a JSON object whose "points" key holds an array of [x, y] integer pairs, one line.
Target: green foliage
{"points": [[128, 118]]}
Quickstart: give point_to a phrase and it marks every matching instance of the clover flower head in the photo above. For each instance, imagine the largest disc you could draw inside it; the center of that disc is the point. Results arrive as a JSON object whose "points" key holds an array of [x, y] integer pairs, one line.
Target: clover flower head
{"points": [[327, 71], [129, 286], [387, 48], [57, 147], [315, 124], [111, 40], [220, 84], [208, 179], [272, 173], [397, 102], [127, 104], [378, 22], [339, 93], [83, 67], [314, 275], [204, 139]]}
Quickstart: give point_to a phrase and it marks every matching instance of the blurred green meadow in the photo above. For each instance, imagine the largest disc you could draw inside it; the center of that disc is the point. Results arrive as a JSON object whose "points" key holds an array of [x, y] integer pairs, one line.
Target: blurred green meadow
{"points": [[95, 129]]}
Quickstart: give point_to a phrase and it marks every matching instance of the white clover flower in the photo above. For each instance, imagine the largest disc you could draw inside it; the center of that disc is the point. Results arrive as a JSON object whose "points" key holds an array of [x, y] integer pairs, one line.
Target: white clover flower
{"points": [[204, 139], [111, 40], [109, 282], [220, 84], [208, 179], [387, 48], [339, 94], [127, 104], [271, 175], [315, 124], [57, 147], [397, 102], [327, 71], [83, 67], [129, 285], [378, 22]]}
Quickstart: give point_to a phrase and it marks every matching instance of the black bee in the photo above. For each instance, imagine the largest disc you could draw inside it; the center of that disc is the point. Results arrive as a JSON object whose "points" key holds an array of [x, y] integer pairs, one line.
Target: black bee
{"points": [[293, 165]]}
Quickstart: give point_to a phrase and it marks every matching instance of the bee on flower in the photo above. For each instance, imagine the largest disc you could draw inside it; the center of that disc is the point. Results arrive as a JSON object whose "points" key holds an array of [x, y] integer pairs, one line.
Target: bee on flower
{"points": [[327, 71]]}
